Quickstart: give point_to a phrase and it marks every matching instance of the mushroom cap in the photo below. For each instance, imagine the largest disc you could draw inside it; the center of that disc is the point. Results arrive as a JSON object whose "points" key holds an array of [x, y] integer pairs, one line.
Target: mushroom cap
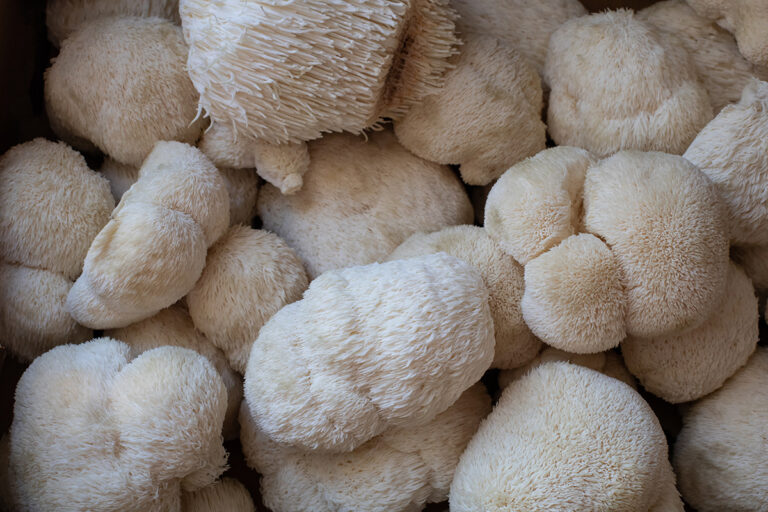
{"points": [[32, 315], [503, 276], [63, 17], [536, 204], [122, 84], [487, 116], [360, 200], [719, 454], [730, 150], [527, 26], [574, 299], [724, 72], [250, 274], [173, 327], [128, 276], [376, 346], [94, 430], [746, 19], [564, 437], [608, 363], [399, 470], [226, 495], [289, 71], [242, 187], [687, 366], [153, 250], [666, 226], [620, 83], [52, 206]]}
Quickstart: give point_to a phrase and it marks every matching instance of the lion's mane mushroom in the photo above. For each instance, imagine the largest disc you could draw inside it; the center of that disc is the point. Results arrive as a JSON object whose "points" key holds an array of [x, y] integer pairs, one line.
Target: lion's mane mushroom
{"points": [[397, 471], [153, 250], [63, 17], [287, 72], [503, 276], [731, 151], [486, 117], [722, 69], [746, 19], [173, 327], [242, 185], [122, 84], [388, 195], [369, 348], [249, 274], [666, 225], [620, 83], [687, 366], [94, 430], [52, 206], [564, 437], [720, 454]]}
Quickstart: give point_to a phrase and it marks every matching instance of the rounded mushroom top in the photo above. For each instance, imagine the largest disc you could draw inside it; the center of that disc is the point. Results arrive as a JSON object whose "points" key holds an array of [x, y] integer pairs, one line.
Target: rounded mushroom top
{"points": [[63, 17], [289, 71], [52, 206], [368, 348], [563, 427], [94, 429], [665, 224], [360, 200], [620, 83], [122, 84]]}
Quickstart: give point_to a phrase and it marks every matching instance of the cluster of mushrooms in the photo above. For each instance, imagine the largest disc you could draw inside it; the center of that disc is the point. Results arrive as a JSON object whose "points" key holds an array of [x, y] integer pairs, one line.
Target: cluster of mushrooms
{"points": [[441, 304]]}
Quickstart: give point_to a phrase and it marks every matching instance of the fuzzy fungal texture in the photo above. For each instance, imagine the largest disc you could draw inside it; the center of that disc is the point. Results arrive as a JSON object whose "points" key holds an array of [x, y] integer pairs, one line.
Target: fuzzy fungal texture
{"points": [[746, 19], [666, 225], [64, 17], [486, 118], [536, 204], [173, 327], [720, 454], [242, 185], [574, 299], [620, 83], [525, 25], [226, 495], [153, 250], [731, 150], [52, 206], [567, 438], [503, 276], [398, 471], [94, 429], [282, 165], [289, 71], [360, 200], [722, 69], [370, 348], [687, 366], [608, 363], [250, 274], [122, 84]]}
